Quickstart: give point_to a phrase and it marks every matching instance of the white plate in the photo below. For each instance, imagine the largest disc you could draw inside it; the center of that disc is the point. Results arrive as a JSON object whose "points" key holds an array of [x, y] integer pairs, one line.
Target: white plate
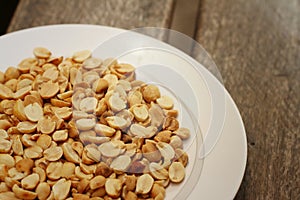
{"points": [[223, 168]]}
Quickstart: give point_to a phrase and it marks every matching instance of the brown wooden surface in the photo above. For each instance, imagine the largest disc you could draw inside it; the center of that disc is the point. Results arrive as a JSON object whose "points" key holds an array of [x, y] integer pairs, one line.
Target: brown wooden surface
{"points": [[118, 13], [255, 43]]}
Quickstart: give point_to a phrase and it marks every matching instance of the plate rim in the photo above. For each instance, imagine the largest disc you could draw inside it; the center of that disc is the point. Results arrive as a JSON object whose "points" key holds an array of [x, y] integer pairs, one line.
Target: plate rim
{"points": [[231, 101]]}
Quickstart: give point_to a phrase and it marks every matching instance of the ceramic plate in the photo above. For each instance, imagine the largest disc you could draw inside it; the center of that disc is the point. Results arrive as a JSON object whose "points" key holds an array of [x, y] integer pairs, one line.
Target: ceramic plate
{"points": [[223, 167]]}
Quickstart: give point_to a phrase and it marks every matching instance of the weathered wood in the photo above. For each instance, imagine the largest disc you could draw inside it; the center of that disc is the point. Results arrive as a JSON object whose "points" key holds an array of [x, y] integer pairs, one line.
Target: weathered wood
{"points": [[256, 45], [185, 17], [119, 13]]}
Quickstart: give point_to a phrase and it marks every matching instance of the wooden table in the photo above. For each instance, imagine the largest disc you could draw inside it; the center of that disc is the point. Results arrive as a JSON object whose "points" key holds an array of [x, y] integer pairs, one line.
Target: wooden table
{"points": [[255, 43]]}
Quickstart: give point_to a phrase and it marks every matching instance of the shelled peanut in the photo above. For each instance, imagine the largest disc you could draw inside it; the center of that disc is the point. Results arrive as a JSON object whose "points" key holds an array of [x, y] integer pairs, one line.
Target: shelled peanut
{"points": [[83, 128]]}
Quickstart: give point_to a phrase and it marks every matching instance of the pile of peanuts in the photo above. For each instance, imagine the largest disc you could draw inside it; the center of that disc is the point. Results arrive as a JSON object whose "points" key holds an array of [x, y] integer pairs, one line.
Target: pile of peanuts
{"points": [[81, 128]]}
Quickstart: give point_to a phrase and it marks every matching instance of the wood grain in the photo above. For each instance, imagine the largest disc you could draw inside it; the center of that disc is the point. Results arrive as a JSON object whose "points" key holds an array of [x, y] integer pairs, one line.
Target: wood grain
{"points": [[256, 45], [119, 13]]}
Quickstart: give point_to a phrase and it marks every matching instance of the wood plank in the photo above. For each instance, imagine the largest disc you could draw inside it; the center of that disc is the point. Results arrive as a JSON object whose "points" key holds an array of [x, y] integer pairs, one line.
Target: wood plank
{"points": [[185, 12], [256, 45], [119, 13], [7, 9]]}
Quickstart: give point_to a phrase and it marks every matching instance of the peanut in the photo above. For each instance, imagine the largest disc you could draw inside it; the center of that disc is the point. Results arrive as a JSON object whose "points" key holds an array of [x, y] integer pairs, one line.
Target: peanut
{"points": [[81, 56], [144, 184], [41, 52], [23, 194], [113, 187], [97, 182], [150, 93], [54, 169], [176, 172], [53, 153], [61, 189], [165, 102], [5, 145], [121, 163], [7, 160], [24, 165], [183, 133], [43, 191], [30, 182], [158, 172]]}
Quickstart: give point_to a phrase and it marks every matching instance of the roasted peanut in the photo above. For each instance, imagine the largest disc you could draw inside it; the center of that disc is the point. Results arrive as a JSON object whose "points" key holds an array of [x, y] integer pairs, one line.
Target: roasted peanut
{"points": [[158, 172], [176, 172], [85, 124], [140, 131], [163, 136], [5, 145], [3, 134], [41, 52], [97, 182], [5, 124], [53, 170], [78, 147], [100, 85], [24, 165], [113, 187], [81, 175], [70, 154], [5, 92], [176, 142], [135, 97], [140, 112], [11, 73], [115, 103], [165, 102], [150, 93], [26, 127], [144, 184], [103, 169], [93, 153], [88, 169], [130, 182], [30, 182], [151, 152], [104, 130], [181, 156], [15, 174], [61, 189], [171, 124], [88, 104], [109, 149], [53, 153], [60, 136], [43, 191], [3, 172], [68, 170], [23, 194], [18, 110], [157, 190], [156, 115], [33, 152], [44, 141], [7, 160], [166, 150], [49, 89], [81, 56], [121, 163], [183, 133]]}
